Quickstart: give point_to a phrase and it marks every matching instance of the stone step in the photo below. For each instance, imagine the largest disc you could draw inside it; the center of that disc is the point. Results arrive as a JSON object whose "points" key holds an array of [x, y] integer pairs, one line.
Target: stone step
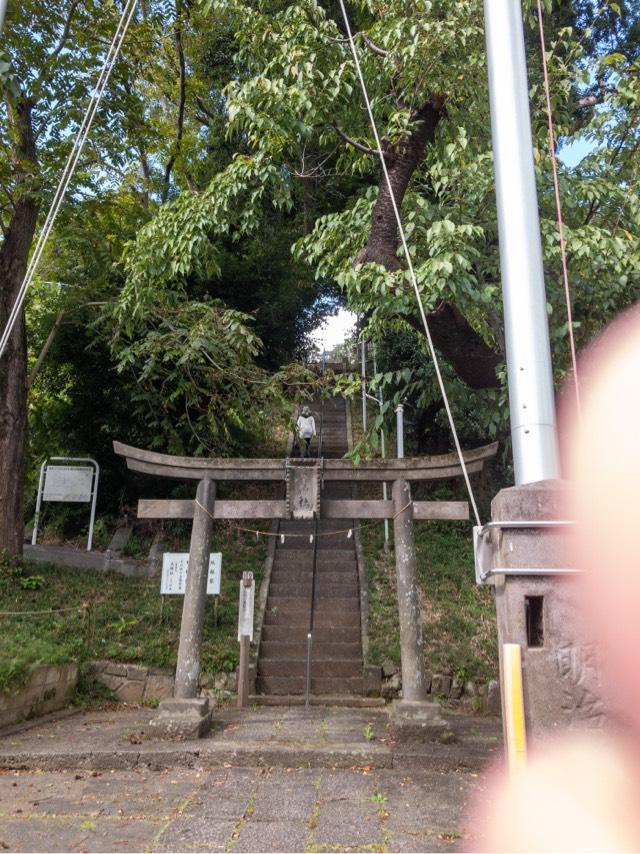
{"points": [[336, 604], [321, 650], [330, 574], [301, 526], [321, 634], [328, 668], [332, 619], [343, 700], [336, 612], [303, 559], [330, 542], [319, 685], [300, 582], [301, 569], [323, 590], [340, 619]]}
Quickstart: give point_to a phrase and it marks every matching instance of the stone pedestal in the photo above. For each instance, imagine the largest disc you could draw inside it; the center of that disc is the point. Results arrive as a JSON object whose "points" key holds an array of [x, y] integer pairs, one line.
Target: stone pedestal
{"points": [[182, 719], [416, 720], [541, 613]]}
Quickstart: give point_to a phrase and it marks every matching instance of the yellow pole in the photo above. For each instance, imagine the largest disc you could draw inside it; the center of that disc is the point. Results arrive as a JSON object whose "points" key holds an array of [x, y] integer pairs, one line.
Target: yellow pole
{"points": [[514, 725]]}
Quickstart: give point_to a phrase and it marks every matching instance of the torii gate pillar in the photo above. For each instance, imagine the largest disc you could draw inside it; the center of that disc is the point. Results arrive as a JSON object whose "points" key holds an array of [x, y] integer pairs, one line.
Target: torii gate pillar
{"points": [[185, 715], [414, 714]]}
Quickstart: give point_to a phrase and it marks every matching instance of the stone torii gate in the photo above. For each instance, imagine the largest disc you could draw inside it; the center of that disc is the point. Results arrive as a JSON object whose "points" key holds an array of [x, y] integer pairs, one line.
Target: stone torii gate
{"points": [[186, 715]]}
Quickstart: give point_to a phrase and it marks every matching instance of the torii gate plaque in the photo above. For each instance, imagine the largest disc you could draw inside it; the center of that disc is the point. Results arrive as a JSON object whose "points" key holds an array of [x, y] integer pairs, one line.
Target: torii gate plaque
{"points": [[187, 716]]}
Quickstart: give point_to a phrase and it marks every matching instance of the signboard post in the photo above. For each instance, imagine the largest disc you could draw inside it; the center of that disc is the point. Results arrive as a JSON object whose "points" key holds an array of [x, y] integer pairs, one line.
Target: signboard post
{"points": [[245, 634], [73, 483]]}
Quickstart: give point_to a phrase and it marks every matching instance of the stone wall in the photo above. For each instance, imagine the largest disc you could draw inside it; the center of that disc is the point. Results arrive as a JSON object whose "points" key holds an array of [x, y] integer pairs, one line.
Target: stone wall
{"points": [[50, 687], [475, 696], [135, 683]]}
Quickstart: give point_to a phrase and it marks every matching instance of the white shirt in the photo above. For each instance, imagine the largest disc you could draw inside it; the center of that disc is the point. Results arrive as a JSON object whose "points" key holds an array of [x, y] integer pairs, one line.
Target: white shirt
{"points": [[306, 426]]}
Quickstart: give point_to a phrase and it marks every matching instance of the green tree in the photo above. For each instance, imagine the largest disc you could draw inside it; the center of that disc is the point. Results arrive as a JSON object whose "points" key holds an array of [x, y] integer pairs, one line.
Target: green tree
{"points": [[49, 65], [295, 101]]}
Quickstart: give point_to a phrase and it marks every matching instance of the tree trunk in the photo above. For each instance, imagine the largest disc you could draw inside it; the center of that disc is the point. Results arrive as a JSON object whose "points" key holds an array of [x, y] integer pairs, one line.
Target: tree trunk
{"points": [[14, 255], [474, 361]]}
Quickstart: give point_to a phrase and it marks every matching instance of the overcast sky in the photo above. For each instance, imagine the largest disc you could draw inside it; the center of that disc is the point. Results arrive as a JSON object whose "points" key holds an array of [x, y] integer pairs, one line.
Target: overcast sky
{"points": [[335, 329]]}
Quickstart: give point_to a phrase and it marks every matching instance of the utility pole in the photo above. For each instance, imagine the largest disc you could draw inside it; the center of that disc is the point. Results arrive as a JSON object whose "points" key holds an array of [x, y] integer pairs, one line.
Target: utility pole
{"points": [[531, 397], [522, 552]]}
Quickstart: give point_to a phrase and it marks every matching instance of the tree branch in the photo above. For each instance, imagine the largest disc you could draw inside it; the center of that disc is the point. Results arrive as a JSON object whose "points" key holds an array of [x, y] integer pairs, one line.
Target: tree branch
{"points": [[373, 47], [354, 142], [66, 30], [182, 87]]}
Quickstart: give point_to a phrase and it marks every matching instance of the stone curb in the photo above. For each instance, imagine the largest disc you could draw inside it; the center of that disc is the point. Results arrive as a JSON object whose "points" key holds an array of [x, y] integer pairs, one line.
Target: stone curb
{"points": [[239, 755]]}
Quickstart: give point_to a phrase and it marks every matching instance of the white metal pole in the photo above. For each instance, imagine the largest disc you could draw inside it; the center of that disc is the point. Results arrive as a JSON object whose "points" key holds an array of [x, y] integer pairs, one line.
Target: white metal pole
{"points": [[531, 397], [36, 518], [3, 10], [400, 430], [363, 375], [94, 498]]}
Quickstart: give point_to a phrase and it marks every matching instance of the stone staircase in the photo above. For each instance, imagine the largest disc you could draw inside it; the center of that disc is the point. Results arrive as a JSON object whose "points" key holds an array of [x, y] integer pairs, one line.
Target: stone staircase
{"points": [[337, 664]]}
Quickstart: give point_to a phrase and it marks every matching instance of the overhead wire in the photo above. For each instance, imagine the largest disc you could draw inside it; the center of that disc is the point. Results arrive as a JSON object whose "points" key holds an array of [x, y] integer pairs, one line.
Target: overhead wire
{"points": [[556, 188], [411, 270], [70, 166]]}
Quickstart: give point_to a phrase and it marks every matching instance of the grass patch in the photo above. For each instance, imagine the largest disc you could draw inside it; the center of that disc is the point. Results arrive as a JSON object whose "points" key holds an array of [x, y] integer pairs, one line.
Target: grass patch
{"points": [[459, 623], [125, 620]]}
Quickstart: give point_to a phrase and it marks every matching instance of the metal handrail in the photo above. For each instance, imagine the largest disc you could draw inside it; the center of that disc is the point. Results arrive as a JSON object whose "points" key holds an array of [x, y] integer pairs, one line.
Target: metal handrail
{"points": [[313, 576]]}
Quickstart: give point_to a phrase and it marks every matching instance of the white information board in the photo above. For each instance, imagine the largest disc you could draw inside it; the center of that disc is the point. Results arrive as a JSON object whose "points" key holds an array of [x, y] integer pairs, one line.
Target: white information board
{"points": [[68, 483], [174, 574], [245, 612], [61, 482]]}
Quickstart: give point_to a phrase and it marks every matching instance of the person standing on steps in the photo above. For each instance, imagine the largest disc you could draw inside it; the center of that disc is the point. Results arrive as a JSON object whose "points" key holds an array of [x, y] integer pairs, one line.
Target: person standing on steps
{"points": [[306, 430]]}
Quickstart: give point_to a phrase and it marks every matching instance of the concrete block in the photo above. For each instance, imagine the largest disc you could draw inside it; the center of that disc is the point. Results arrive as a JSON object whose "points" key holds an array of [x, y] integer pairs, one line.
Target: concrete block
{"points": [[159, 686], [494, 702], [39, 674], [441, 684], [372, 680], [455, 691], [130, 691], [182, 719], [120, 539], [391, 687], [389, 668], [416, 720], [136, 672], [112, 682], [115, 669]]}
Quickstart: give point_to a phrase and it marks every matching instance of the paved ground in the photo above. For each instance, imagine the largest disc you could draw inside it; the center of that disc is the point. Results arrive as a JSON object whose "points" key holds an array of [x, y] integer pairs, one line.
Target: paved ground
{"points": [[389, 798]]}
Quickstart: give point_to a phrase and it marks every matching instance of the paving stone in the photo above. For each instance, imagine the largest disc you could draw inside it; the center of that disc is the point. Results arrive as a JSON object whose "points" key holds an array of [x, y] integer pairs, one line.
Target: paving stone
{"points": [[277, 803], [344, 823], [349, 785], [432, 801], [423, 842], [272, 836], [189, 833], [195, 802], [100, 834]]}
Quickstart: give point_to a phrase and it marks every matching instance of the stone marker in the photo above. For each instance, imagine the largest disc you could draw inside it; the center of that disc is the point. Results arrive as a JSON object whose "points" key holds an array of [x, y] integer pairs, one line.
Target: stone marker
{"points": [[541, 613]]}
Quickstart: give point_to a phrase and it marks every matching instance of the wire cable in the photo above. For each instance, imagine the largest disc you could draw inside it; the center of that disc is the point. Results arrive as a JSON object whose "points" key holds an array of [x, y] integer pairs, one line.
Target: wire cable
{"points": [[70, 166], [412, 274], [556, 188]]}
